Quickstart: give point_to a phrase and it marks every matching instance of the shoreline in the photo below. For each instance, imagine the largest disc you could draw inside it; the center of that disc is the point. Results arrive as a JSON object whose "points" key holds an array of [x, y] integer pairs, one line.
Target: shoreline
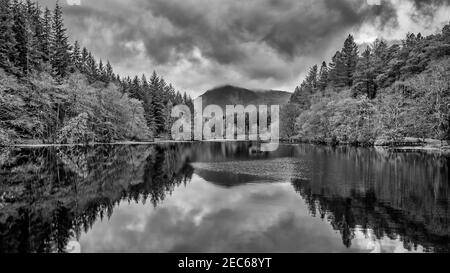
{"points": [[39, 145], [431, 146], [407, 145]]}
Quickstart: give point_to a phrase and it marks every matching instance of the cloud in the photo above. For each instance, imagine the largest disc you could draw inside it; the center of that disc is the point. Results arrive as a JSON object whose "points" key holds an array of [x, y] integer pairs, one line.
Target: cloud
{"points": [[74, 2], [198, 44]]}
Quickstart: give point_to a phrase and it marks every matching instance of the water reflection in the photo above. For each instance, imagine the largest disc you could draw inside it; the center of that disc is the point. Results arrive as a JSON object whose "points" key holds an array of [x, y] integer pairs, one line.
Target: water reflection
{"points": [[214, 197]]}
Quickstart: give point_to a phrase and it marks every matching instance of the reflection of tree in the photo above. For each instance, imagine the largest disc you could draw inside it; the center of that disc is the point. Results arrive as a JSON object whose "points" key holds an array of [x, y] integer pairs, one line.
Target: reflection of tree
{"points": [[226, 151], [163, 173], [392, 194], [50, 195]]}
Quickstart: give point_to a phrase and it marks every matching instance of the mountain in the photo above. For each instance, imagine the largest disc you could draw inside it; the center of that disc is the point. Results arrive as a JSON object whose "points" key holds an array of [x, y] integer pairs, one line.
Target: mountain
{"points": [[232, 95]]}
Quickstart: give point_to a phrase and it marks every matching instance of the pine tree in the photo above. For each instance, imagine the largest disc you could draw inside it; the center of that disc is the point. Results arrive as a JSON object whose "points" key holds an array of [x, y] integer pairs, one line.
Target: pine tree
{"points": [[47, 36], [23, 35], [102, 72], [295, 98], [301, 96], [60, 46], [323, 77], [311, 79], [410, 41], [364, 77], [147, 98], [349, 58], [145, 88], [178, 98], [168, 120], [7, 38], [162, 91], [127, 83], [36, 26], [185, 98], [190, 103], [124, 85], [336, 71], [76, 57], [29, 7], [109, 72], [446, 33], [84, 67], [157, 102], [135, 89], [170, 94], [149, 113], [380, 61], [92, 70]]}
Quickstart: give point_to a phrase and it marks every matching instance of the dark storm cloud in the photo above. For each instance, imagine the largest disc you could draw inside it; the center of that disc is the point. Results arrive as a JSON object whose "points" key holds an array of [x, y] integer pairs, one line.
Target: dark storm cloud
{"points": [[304, 31], [427, 8], [424, 5], [289, 27], [195, 29], [239, 41]]}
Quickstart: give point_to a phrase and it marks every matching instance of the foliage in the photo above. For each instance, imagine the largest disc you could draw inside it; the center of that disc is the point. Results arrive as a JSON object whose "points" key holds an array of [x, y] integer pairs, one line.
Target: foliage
{"points": [[48, 87], [389, 92], [5, 139], [110, 114], [339, 118], [288, 114], [76, 130], [429, 97]]}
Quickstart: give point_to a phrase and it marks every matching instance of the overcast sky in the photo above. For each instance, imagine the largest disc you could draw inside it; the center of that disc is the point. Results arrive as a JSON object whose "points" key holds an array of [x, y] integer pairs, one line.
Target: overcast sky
{"points": [[263, 44]]}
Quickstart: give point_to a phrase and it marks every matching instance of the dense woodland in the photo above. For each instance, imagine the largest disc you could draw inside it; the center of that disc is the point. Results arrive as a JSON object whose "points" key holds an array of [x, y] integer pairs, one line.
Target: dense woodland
{"points": [[386, 93], [53, 91]]}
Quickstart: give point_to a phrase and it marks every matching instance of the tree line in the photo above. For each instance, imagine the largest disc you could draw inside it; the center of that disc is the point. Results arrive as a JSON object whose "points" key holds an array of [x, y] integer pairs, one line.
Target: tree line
{"points": [[55, 91], [388, 92]]}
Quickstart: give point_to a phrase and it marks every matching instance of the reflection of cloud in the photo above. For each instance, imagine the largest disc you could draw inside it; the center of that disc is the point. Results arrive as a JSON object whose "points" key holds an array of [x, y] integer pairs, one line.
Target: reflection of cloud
{"points": [[369, 242], [73, 247], [206, 218]]}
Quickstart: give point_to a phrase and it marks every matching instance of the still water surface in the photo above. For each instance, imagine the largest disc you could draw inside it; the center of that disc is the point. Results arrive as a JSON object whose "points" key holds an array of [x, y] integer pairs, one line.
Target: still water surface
{"points": [[222, 197]]}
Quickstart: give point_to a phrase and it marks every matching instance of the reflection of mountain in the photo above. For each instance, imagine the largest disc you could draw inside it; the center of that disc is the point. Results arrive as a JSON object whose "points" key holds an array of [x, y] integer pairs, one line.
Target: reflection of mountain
{"points": [[239, 151], [396, 194], [235, 173], [228, 179], [231, 95], [48, 195]]}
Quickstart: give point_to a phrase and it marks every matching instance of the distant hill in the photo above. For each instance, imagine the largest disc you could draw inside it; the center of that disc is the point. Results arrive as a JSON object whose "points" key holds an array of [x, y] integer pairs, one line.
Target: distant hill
{"points": [[232, 95]]}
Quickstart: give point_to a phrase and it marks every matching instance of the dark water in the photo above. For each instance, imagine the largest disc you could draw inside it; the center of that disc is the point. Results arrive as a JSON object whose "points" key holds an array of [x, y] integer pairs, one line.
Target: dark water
{"points": [[217, 197]]}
